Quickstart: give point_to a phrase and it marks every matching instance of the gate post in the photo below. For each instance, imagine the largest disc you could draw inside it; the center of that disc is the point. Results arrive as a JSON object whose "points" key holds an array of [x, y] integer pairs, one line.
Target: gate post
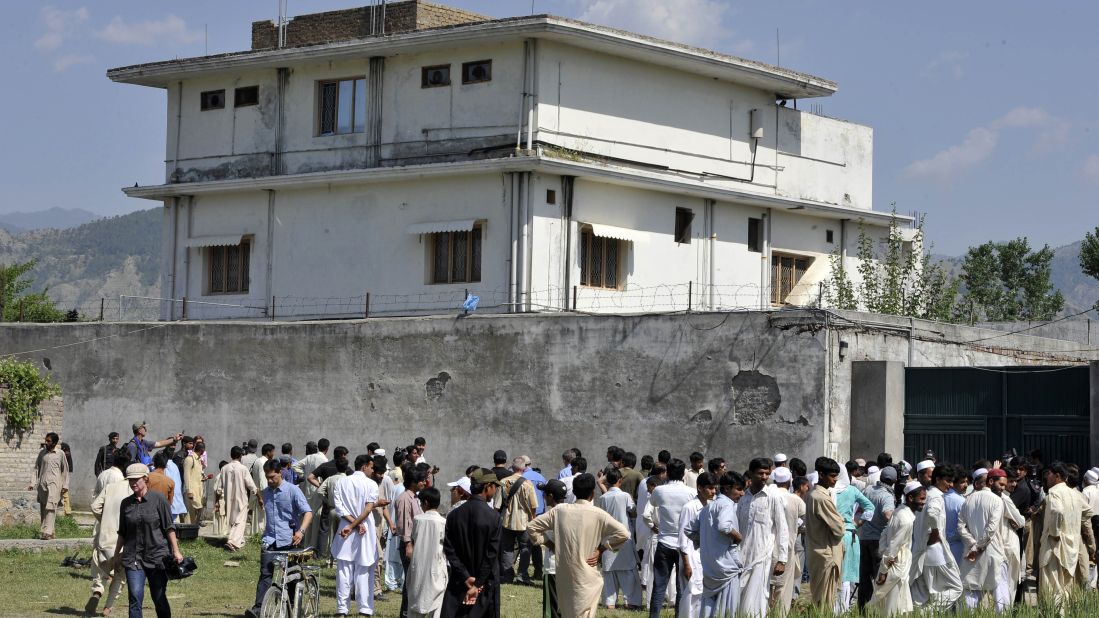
{"points": [[877, 408], [1094, 381]]}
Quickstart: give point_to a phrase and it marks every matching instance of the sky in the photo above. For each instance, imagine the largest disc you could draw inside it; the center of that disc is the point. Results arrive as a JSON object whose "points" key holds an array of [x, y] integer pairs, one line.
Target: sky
{"points": [[981, 110]]}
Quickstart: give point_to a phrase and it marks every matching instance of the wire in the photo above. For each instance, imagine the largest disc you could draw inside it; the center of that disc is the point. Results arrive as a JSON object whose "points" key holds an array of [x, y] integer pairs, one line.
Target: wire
{"points": [[1023, 330], [86, 341]]}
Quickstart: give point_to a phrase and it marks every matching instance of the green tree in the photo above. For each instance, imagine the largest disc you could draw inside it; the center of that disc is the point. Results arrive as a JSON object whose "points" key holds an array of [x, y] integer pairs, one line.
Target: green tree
{"points": [[1089, 257], [16, 304], [1007, 281], [895, 278]]}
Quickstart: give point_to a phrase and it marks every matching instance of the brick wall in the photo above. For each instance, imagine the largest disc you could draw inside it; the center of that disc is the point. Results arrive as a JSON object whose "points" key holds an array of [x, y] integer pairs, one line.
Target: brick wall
{"points": [[356, 23], [18, 453]]}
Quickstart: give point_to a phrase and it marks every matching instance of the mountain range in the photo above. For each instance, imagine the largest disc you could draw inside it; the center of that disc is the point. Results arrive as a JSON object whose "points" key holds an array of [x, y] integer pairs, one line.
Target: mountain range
{"points": [[106, 257], [51, 218]]}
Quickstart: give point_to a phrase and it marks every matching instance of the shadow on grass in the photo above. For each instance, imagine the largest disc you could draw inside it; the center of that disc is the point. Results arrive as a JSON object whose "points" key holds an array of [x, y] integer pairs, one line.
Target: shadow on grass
{"points": [[66, 611]]}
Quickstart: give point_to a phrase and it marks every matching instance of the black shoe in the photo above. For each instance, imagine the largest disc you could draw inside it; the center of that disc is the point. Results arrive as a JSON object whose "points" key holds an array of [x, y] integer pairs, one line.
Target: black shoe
{"points": [[92, 604]]}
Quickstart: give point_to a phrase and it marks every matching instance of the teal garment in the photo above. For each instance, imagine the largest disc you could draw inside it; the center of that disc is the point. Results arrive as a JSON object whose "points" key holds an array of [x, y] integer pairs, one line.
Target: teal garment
{"points": [[847, 502]]}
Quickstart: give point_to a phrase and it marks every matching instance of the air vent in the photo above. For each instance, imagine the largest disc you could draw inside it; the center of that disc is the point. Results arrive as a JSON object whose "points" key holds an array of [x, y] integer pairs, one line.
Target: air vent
{"points": [[477, 72], [435, 76], [213, 99]]}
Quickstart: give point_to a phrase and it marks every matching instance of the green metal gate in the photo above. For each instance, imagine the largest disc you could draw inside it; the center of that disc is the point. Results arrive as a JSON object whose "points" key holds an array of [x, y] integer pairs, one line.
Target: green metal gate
{"points": [[971, 413]]}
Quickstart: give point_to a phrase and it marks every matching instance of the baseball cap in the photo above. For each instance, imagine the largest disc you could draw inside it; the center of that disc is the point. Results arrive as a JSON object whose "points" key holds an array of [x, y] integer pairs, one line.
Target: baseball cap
{"points": [[138, 425], [499, 456], [462, 483], [484, 477], [554, 488], [253, 443], [136, 471], [889, 474]]}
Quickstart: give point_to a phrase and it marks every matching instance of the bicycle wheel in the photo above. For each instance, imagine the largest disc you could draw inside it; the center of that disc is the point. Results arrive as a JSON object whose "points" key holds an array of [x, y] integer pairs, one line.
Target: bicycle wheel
{"points": [[275, 605], [309, 598]]}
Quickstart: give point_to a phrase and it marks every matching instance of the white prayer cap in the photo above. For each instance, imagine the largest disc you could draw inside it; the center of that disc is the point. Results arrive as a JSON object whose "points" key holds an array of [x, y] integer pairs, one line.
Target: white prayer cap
{"points": [[463, 483], [861, 462], [925, 464], [1091, 477], [979, 472], [779, 458], [813, 477], [906, 467], [379, 451], [782, 475], [912, 486], [873, 470]]}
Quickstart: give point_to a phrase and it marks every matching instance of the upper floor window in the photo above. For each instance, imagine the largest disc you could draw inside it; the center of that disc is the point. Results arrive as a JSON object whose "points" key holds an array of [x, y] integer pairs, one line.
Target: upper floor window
{"points": [[342, 107], [477, 71], [227, 268], [755, 235], [435, 76], [212, 99], [683, 219], [786, 273], [456, 256], [601, 260], [248, 95]]}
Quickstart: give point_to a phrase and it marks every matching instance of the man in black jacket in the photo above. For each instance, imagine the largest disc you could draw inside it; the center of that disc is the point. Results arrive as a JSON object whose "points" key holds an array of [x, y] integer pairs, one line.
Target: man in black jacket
{"points": [[105, 458], [472, 547]]}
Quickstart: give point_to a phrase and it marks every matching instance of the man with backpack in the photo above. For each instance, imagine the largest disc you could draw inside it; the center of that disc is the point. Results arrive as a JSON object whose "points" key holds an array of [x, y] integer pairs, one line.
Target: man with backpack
{"points": [[517, 508]]}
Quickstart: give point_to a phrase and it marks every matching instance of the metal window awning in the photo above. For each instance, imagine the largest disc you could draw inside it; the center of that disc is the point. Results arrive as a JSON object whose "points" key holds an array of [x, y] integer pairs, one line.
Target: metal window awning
{"points": [[437, 227], [619, 233], [229, 240]]}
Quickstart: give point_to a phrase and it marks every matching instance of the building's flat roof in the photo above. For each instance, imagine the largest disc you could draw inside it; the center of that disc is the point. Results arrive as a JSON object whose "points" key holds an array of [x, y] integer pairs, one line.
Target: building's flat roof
{"points": [[783, 82], [632, 177]]}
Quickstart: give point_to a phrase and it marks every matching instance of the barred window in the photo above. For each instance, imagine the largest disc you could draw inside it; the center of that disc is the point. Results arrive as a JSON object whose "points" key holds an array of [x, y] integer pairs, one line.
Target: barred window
{"points": [[227, 268], [601, 260], [342, 106], [456, 256], [786, 272]]}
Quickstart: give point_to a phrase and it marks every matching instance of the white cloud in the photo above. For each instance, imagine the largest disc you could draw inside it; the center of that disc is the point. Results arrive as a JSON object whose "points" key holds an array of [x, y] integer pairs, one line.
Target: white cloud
{"points": [[694, 22], [949, 62], [171, 29], [59, 25], [980, 143], [1090, 170], [70, 60]]}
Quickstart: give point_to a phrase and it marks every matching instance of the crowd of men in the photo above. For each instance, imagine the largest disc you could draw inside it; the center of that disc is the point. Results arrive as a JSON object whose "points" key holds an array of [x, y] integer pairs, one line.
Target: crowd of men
{"points": [[648, 534]]}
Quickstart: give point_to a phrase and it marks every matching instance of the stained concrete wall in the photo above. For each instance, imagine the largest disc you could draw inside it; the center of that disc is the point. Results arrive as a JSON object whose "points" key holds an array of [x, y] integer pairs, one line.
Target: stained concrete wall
{"points": [[725, 384]]}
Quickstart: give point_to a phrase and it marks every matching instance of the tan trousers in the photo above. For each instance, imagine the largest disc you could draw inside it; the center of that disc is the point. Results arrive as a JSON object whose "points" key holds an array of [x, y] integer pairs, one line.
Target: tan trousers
{"points": [[237, 523], [259, 519], [194, 515], [48, 512], [102, 572]]}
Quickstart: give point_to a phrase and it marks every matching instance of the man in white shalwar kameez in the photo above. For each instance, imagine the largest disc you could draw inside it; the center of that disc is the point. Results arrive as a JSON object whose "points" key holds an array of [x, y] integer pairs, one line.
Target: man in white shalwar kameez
{"points": [[984, 563], [620, 566], [1013, 521], [936, 580], [717, 532], [355, 545], [761, 513], [426, 578], [782, 586], [582, 533], [892, 592], [257, 520], [691, 579], [234, 489], [106, 508], [315, 455], [1060, 542]]}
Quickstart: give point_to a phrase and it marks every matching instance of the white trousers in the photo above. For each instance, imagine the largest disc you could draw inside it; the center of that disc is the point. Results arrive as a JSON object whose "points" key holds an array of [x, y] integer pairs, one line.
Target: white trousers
{"points": [[690, 605], [843, 601], [938, 588], [755, 593], [626, 581], [1002, 594], [348, 572]]}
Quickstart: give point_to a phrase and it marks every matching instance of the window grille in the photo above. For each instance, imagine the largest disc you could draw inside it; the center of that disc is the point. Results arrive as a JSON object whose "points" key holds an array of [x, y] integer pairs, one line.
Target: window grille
{"points": [[477, 72], [212, 99], [456, 257], [786, 272], [228, 268], [600, 260], [342, 106]]}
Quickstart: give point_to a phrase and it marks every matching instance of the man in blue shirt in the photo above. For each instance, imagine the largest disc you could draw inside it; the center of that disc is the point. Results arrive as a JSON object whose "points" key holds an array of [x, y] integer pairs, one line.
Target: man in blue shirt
{"points": [[955, 500], [288, 516], [527, 554]]}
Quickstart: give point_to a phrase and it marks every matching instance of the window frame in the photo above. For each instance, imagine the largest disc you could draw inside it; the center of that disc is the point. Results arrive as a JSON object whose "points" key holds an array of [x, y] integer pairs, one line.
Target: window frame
{"points": [[755, 237], [237, 98], [778, 293], [474, 236], [586, 252], [467, 67], [356, 126], [244, 277], [684, 218], [424, 71], [203, 100]]}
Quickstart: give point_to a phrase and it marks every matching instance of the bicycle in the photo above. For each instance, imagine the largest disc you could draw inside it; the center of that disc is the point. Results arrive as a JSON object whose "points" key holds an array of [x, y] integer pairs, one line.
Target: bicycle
{"points": [[294, 592]]}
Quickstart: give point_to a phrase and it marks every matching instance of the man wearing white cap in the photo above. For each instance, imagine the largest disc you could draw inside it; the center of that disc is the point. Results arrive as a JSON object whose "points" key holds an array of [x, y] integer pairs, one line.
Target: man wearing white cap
{"points": [[780, 460], [782, 586], [936, 581], [892, 593], [459, 493], [984, 567]]}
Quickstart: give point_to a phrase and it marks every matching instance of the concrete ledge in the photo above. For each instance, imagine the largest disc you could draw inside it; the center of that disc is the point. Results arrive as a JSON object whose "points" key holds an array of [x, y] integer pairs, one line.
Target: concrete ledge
{"points": [[37, 545]]}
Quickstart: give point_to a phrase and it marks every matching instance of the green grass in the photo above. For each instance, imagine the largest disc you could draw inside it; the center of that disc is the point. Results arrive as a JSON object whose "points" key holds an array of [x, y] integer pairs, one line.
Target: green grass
{"points": [[35, 584], [65, 528]]}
